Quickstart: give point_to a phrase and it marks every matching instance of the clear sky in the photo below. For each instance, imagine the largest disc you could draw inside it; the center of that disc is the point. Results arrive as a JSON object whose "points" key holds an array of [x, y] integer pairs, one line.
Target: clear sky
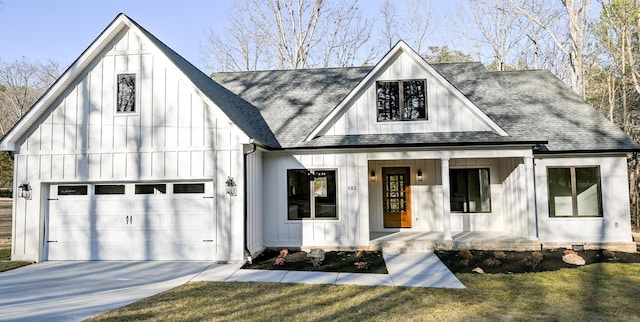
{"points": [[62, 29]]}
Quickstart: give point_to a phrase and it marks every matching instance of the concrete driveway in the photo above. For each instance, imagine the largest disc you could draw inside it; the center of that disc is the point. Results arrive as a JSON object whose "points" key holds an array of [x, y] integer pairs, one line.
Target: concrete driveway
{"points": [[73, 291]]}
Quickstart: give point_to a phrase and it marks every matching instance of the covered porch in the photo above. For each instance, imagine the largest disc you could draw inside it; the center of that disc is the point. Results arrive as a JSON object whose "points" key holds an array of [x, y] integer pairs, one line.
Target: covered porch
{"points": [[454, 199]]}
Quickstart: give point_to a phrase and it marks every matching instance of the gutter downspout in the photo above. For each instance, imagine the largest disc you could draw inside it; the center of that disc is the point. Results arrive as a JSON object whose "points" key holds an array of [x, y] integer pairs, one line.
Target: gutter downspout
{"points": [[246, 203]]}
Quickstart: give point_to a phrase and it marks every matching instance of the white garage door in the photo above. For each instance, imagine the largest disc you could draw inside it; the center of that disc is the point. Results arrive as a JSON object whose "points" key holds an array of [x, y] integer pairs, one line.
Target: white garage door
{"points": [[159, 221]]}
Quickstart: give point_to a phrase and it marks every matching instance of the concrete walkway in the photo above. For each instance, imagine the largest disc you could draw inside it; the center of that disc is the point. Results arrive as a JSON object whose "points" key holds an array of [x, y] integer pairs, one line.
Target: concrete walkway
{"points": [[74, 291], [410, 270]]}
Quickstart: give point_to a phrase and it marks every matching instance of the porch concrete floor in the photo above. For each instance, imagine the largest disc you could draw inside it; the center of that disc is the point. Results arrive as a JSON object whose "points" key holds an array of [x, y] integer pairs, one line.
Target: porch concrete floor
{"points": [[425, 241]]}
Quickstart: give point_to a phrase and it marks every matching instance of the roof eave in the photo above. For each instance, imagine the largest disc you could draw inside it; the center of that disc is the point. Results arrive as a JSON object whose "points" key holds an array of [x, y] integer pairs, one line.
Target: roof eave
{"points": [[420, 145]]}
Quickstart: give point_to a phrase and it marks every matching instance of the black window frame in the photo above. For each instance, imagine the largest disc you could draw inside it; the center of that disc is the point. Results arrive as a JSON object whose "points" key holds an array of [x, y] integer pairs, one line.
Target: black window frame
{"points": [[401, 88], [312, 210], [126, 90], [468, 172], [574, 192]]}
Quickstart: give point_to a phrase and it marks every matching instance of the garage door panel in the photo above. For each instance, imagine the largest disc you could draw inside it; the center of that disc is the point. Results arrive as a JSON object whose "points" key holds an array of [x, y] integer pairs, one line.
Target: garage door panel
{"points": [[131, 227]]}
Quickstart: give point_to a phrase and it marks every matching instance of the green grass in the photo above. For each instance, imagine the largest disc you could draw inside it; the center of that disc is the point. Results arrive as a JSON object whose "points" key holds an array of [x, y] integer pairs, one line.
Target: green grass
{"points": [[598, 292], [5, 266]]}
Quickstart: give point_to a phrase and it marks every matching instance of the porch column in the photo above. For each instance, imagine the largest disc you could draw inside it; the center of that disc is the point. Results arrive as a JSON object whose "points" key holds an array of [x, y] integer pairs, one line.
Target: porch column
{"points": [[532, 226], [446, 199]]}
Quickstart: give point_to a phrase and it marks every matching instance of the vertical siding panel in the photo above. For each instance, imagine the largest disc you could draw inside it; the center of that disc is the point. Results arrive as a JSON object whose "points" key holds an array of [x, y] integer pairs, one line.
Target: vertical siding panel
{"points": [[209, 164], [45, 131], [146, 101], [159, 105], [119, 165], [58, 127], [95, 97], [171, 118], [157, 164], [197, 121], [133, 165], [197, 164], [184, 164], [83, 111], [95, 165], [106, 166], [171, 164], [145, 165], [45, 167], [108, 100], [69, 166], [57, 172], [71, 120], [184, 116]]}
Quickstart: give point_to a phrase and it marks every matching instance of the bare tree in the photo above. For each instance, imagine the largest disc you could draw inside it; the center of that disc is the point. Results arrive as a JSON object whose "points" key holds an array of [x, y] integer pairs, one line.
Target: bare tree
{"points": [[390, 29], [21, 84], [289, 34], [502, 31], [412, 24], [417, 23], [574, 14]]}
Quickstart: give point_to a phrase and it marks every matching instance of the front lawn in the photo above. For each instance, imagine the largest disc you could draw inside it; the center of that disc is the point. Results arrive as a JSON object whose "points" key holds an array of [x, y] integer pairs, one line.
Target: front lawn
{"points": [[594, 292]]}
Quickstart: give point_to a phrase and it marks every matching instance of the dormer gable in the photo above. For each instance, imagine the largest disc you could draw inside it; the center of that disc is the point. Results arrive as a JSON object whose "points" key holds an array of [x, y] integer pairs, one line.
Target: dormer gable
{"points": [[404, 94]]}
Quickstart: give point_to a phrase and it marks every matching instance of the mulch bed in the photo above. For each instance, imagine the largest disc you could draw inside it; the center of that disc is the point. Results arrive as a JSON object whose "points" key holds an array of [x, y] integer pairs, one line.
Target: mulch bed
{"points": [[525, 262], [343, 262]]}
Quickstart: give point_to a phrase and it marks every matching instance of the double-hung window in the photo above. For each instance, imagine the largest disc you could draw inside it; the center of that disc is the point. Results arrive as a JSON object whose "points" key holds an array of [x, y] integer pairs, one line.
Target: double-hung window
{"points": [[574, 192], [470, 190], [401, 100], [311, 194]]}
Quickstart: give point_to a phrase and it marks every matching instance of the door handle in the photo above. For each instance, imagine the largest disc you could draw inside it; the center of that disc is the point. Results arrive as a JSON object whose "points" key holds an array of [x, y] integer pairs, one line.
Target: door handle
{"points": [[127, 220], [131, 220]]}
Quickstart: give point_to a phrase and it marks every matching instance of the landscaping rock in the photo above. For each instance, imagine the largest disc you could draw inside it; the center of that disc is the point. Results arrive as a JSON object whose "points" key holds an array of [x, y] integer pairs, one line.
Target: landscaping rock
{"points": [[574, 259], [478, 270], [608, 254], [316, 256]]}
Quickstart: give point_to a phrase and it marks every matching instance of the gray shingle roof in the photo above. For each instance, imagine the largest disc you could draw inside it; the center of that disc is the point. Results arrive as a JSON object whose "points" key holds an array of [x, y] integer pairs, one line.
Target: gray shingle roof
{"points": [[293, 102], [531, 106]]}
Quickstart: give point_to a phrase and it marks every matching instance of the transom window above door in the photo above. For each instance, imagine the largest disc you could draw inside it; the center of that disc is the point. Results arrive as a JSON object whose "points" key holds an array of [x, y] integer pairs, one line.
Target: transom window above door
{"points": [[401, 100]]}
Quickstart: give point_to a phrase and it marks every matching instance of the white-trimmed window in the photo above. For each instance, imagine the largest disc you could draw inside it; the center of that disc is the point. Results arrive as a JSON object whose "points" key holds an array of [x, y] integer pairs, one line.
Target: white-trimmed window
{"points": [[126, 93], [312, 194], [404, 100], [574, 191]]}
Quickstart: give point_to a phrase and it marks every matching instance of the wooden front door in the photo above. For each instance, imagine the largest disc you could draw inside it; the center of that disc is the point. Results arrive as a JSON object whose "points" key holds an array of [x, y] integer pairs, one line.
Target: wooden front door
{"points": [[396, 196]]}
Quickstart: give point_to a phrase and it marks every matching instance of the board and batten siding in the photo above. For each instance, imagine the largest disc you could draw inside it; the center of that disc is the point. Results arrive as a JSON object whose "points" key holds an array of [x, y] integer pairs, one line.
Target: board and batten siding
{"points": [[613, 227], [351, 229], [446, 112], [174, 134]]}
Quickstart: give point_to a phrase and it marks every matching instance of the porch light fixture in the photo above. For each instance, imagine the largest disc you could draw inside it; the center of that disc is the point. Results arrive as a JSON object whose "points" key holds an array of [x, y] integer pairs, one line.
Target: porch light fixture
{"points": [[419, 174], [232, 188], [373, 175], [24, 191]]}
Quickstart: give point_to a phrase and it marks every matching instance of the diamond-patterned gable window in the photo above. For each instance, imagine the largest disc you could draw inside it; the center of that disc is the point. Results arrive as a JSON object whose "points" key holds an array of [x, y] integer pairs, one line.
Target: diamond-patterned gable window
{"points": [[126, 93]]}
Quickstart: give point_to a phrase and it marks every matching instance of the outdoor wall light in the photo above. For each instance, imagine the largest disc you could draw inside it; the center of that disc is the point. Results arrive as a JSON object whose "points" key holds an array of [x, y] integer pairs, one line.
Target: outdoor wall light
{"points": [[373, 175], [419, 174], [232, 188], [24, 191]]}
